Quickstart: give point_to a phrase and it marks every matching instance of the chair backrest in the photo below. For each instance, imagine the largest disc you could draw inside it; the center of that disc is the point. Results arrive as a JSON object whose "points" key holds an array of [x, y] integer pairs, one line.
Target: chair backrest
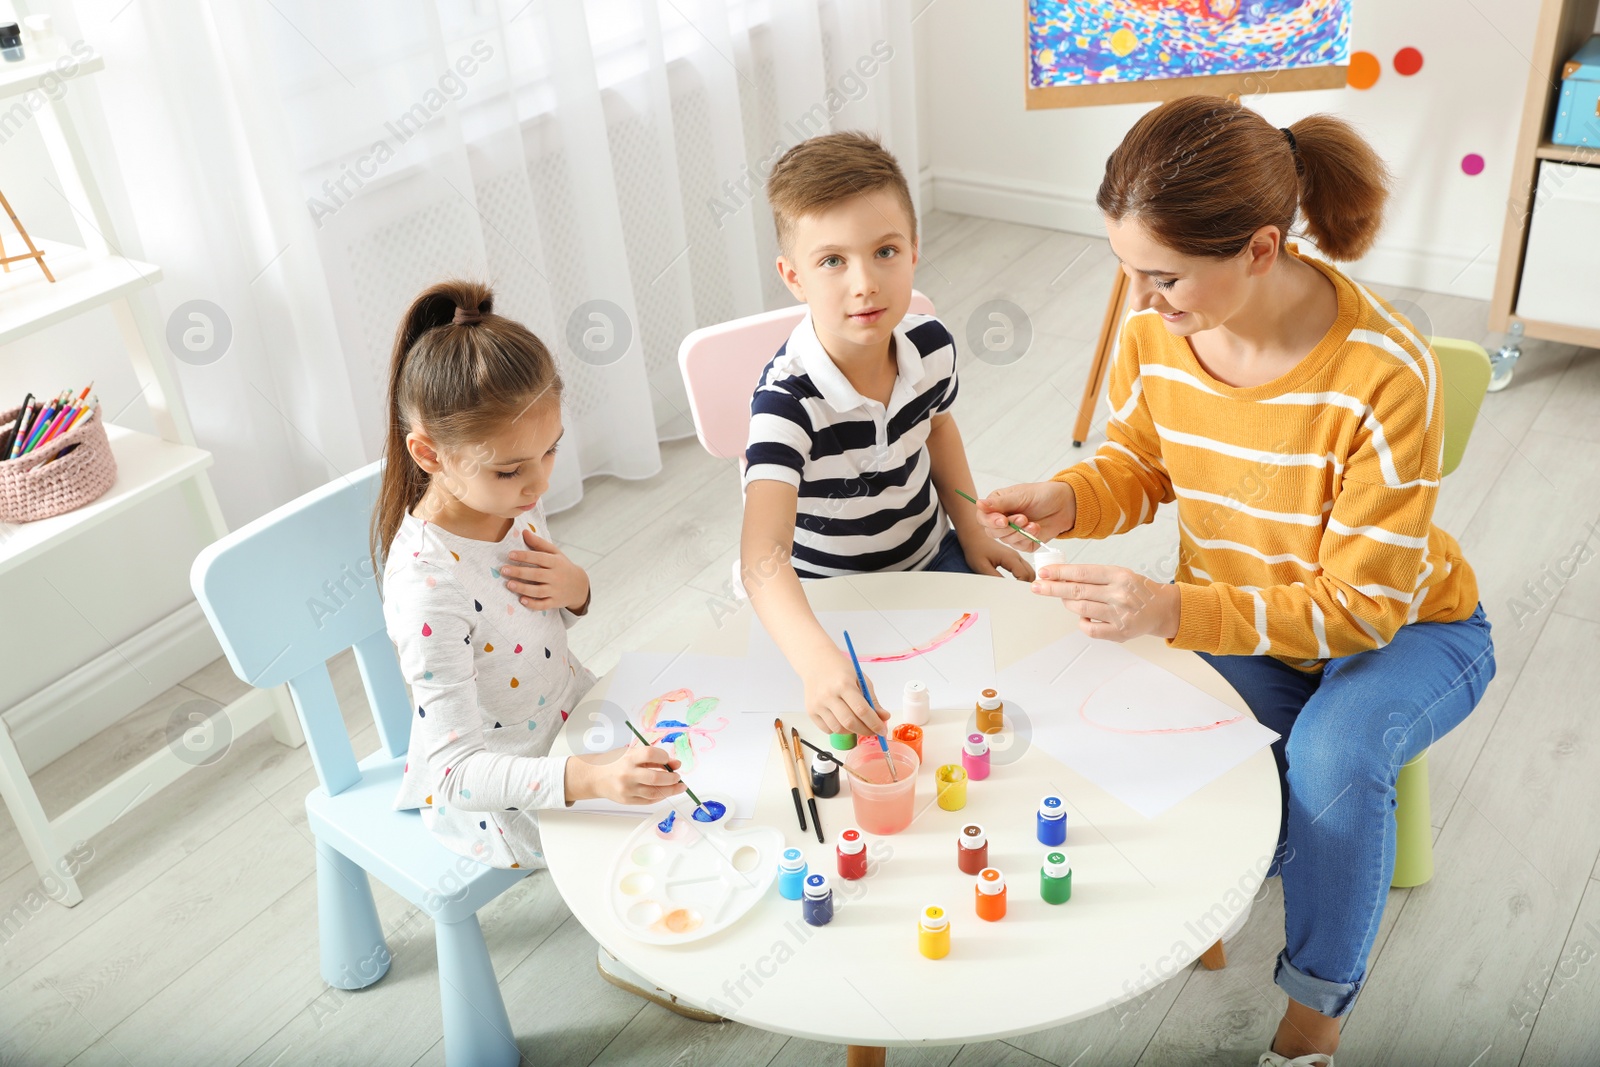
{"points": [[1464, 370], [721, 365], [293, 588]]}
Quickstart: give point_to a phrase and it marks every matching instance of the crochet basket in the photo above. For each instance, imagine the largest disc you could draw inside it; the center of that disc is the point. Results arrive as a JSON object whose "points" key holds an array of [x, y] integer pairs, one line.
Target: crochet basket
{"points": [[32, 488]]}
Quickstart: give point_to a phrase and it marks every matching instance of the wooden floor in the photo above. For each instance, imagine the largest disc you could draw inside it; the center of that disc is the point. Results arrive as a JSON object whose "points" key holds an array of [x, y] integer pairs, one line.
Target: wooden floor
{"points": [[196, 943]]}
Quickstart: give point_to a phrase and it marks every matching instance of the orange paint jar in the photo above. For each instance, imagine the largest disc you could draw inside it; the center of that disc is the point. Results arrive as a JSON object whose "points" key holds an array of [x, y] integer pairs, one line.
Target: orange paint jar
{"points": [[910, 736], [991, 894], [991, 712]]}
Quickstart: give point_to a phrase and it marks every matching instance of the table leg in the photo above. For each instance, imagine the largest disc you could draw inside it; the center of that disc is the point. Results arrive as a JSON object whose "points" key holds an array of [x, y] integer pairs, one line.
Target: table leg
{"points": [[1213, 958], [865, 1056]]}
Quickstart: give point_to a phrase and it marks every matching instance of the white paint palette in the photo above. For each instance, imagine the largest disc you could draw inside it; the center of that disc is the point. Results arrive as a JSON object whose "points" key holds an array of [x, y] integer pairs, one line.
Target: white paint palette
{"points": [[693, 880]]}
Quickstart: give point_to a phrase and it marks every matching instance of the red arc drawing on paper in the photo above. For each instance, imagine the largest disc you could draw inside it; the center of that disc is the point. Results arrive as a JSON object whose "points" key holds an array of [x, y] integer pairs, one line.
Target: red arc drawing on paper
{"points": [[1083, 713], [944, 637]]}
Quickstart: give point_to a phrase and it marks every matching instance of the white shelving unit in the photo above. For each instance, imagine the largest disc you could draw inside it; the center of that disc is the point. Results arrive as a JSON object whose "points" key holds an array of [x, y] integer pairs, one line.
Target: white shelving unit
{"points": [[89, 276]]}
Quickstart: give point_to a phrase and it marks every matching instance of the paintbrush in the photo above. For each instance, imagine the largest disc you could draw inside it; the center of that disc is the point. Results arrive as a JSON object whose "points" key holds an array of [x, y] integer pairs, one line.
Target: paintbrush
{"points": [[686, 788], [861, 680], [805, 786], [788, 765], [1009, 523], [825, 754]]}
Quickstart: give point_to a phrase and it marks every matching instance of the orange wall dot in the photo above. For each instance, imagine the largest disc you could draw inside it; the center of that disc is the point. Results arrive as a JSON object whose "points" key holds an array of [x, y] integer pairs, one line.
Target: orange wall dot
{"points": [[1364, 70]]}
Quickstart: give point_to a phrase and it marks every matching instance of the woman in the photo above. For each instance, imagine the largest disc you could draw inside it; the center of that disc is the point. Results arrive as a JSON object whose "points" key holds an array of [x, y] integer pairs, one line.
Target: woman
{"points": [[1297, 421]]}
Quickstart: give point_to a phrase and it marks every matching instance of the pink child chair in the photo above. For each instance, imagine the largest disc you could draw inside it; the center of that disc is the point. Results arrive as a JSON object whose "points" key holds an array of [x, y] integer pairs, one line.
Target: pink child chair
{"points": [[722, 364]]}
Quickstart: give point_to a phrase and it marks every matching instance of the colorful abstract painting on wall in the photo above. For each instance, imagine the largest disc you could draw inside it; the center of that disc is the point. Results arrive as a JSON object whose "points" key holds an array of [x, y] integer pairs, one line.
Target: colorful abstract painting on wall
{"points": [[1095, 42]]}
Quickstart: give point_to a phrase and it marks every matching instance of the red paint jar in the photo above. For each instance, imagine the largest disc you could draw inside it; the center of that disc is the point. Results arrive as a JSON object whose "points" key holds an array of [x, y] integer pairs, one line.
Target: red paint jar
{"points": [[852, 855], [972, 849]]}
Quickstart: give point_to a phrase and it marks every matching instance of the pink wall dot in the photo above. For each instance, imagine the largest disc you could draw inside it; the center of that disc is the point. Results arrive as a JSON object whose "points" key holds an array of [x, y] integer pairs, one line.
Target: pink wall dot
{"points": [[1472, 163], [1407, 61]]}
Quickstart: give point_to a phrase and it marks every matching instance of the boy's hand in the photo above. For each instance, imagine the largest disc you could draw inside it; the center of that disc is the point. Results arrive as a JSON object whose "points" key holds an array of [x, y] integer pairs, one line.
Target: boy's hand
{"points": [[986, 555], [834, 701], [1044, 509], [623, 776], [544, 578]]}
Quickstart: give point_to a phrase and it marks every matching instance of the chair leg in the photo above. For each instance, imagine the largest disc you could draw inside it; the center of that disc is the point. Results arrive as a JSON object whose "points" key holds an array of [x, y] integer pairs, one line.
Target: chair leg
{"points": [[354, 953], [1413, 816], [477, 1032]]}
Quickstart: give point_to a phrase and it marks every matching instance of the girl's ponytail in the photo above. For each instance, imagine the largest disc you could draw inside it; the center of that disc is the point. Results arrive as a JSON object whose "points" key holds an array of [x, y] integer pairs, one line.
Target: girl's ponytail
{"points": [[461, 371], [1343, 186]]}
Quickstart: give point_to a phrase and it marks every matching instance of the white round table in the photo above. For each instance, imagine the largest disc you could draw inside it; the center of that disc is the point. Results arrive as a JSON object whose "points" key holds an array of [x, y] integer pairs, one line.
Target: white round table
{"points": [[1149, 896]]}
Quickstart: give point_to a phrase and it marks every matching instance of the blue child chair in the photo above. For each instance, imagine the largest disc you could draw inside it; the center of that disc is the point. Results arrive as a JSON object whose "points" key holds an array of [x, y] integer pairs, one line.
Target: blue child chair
{"points": [[284, 594]]}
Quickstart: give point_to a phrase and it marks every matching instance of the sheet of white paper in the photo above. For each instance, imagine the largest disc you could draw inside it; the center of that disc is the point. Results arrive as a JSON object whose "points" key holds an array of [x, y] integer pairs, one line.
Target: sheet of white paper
{"points": [[712, 712], [949, 650], [1141, 733]]}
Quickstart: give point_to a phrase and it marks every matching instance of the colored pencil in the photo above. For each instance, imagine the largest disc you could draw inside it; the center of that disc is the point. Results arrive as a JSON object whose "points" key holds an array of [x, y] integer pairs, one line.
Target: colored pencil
{"points": [[1009, 523], [805, 786], [788, 765], [24, 425], [686, 788], [861, 680], [17, 427]]}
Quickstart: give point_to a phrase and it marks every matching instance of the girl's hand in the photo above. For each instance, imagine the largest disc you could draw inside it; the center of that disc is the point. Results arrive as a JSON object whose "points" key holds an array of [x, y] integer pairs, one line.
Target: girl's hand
{"points": [[624, 776], [545, 579], [1044, 509], [985, 555], [834, 701], [1112, 603]]}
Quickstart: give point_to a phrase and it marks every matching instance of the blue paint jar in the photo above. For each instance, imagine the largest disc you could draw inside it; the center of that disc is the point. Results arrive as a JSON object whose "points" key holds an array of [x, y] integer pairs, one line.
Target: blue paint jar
{"points": [[818, 905], [792, 874], [1052, 821]]}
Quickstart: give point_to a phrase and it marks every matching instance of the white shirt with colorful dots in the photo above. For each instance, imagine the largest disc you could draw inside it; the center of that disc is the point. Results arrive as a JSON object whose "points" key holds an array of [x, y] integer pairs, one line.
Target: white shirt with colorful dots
{"points": [[491, 683]]}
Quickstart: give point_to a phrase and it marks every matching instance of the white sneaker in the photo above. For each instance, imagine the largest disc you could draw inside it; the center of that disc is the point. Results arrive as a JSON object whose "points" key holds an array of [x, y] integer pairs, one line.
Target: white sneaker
{"points": [[622, 976], [1310, 1059]]}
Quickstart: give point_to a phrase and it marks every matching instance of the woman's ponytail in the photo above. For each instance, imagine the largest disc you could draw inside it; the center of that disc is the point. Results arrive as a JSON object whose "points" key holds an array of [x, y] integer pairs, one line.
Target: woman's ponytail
{"points": [[1343, 186]]}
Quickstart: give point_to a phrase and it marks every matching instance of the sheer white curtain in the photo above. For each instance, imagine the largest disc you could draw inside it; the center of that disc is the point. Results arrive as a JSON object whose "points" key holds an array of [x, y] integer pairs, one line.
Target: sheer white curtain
{"points": [[310, 166]]}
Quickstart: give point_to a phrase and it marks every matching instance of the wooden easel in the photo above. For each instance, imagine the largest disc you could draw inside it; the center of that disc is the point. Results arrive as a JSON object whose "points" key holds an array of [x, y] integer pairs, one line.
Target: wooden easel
{"points": [[32, 252], [1102, 357]]}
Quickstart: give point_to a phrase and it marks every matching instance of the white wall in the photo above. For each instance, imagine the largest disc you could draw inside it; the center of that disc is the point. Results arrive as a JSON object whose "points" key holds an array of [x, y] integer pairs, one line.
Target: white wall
{"points": [[986, 155]]}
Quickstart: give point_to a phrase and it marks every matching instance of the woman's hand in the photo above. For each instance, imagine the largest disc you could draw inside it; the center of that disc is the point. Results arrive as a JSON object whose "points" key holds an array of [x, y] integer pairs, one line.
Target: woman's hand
{"points": [[1044, 509], [623, 776], [1112, 603], [834, 701], [544, 578], [986, 555]]}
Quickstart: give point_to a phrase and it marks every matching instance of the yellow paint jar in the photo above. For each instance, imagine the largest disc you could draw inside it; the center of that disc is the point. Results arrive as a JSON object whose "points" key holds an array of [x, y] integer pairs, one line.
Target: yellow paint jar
{"points": [[933, 933], [950, 783], [990, 711]]}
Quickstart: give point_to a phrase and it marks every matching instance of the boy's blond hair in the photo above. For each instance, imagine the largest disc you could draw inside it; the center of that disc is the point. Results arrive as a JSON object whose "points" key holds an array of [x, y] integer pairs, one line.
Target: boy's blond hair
{"points": [[820, 172]]}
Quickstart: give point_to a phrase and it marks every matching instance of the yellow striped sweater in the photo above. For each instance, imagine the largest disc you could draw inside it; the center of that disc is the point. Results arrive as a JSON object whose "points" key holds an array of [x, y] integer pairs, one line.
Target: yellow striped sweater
{"points": [[1305, 505]]}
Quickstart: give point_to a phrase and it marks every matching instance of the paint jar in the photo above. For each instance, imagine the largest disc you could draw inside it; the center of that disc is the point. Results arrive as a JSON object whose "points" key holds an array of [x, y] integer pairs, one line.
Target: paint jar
{"points": [[975, 757], [914, 704], [933, 933], [11, 42], [792, 874], [852, 855], [842, 742], [824, 776], [884, 802], [972, 849], [818, 904], [991, 894], [1055, 879], [1051, 824], [991, 712], [1047, 555], [951, 783], [910, 736]]}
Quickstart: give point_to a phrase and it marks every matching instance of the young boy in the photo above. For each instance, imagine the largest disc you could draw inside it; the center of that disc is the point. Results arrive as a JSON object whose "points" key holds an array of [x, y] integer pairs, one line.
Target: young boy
{"points": [[854, 458]]}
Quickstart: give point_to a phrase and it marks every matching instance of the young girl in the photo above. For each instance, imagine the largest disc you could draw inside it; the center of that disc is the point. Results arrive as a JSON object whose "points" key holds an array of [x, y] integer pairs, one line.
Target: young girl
{"points": [[476, 597], [1297, 421]]}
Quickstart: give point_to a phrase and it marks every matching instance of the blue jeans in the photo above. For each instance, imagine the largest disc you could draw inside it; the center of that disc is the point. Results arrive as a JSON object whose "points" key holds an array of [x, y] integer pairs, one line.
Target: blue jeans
{"points": [[1343, 736], [949, 557]]}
